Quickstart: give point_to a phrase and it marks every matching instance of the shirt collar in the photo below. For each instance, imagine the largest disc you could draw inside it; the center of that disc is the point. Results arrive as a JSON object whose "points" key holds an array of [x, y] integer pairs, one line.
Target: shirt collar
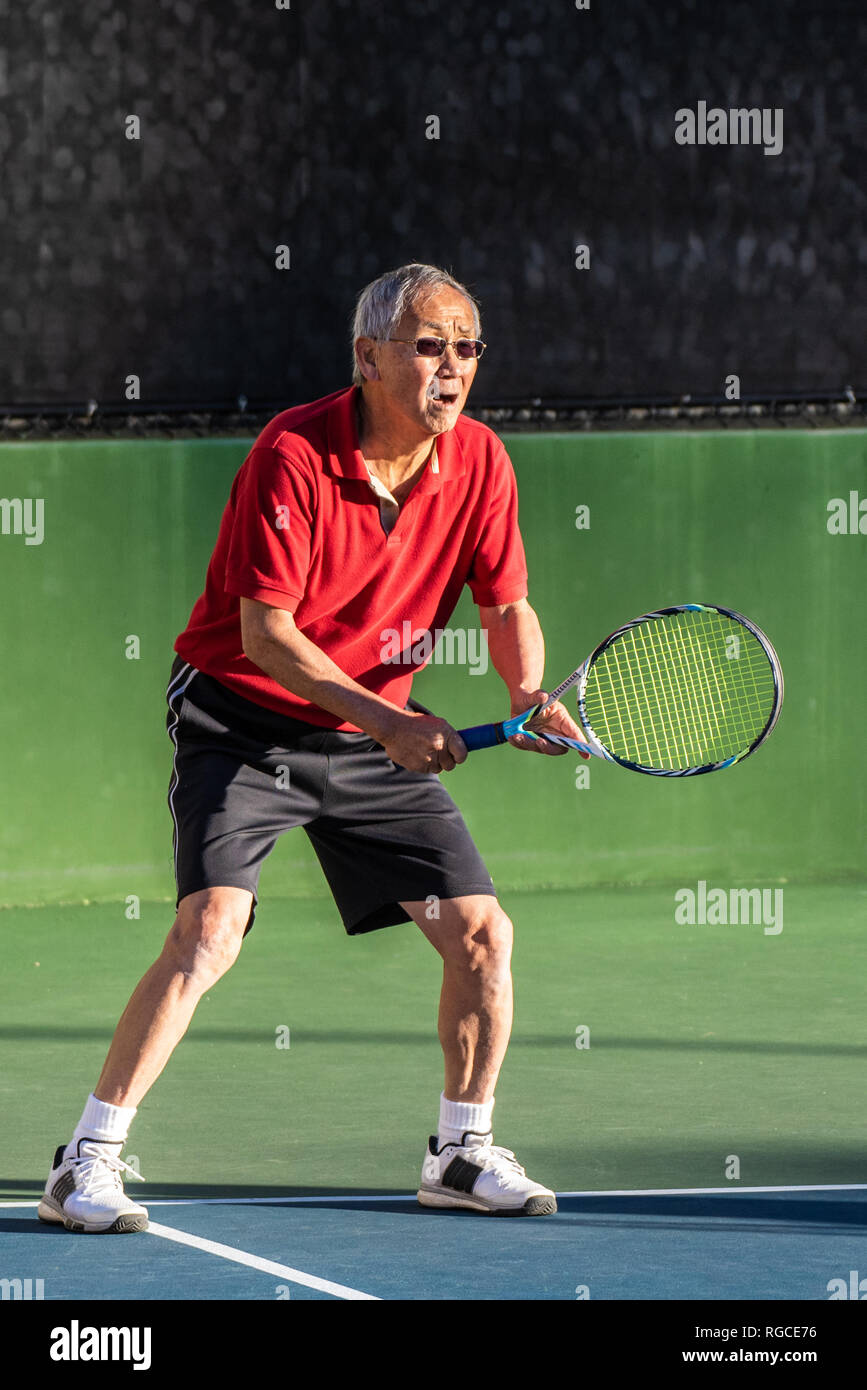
{"points": [[380, 488]]}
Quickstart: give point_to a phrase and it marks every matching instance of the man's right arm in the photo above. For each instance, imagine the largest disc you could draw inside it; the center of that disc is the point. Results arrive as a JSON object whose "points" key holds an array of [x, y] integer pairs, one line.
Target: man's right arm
{"points": [[271, 640]]}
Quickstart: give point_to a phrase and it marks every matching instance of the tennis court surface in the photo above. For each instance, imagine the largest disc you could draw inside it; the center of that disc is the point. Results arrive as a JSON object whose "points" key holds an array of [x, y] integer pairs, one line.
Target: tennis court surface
{"points": [[691, 1092]]}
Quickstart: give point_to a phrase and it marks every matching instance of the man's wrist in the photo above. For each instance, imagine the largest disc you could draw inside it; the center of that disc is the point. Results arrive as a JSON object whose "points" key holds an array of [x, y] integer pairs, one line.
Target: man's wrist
{"points": [[523, 697], [382, 722]]}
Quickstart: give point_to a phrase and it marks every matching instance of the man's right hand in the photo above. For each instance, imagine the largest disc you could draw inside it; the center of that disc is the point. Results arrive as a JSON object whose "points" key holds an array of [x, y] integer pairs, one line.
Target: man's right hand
{"points": [[422, 742]]}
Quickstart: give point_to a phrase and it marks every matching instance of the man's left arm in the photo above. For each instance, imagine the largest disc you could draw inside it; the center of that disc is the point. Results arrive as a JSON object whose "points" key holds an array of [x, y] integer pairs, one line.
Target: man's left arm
{"points": [[517, 649]]}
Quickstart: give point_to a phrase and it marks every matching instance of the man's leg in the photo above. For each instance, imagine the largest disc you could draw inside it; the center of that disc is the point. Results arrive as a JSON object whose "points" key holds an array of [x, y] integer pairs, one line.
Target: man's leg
{"points": [[201, 946], [462, 1167], [474, 937], [84, 1191]]}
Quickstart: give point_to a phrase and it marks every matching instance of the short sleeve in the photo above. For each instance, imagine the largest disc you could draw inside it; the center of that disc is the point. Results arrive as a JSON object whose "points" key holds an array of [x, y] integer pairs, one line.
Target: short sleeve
{"points": [[270, 542], [499, 567]]}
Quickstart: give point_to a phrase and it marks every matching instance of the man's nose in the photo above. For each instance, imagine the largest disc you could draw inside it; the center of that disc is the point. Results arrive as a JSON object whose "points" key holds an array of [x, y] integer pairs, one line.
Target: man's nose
{"points": [[450, 356]]}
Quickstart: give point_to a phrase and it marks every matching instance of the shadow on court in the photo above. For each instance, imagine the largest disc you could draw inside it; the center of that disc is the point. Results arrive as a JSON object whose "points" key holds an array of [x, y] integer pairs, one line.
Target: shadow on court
{"points": [[228, 1192], [824, 1211], [406, 1038]]}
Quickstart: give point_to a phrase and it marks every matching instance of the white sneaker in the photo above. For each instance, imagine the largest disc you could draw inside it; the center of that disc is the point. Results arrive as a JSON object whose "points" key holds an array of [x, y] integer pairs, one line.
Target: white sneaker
{"points": [[479, 1175], [84, 1191]]}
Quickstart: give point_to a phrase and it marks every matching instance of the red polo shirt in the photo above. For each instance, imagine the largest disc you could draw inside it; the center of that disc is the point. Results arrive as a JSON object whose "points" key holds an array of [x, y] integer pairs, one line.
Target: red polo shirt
{"points": [[302, 531]]}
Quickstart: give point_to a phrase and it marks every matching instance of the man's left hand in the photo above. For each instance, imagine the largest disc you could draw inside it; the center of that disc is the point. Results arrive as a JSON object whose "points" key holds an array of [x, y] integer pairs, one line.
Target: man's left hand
{"points": [[556, 718]]}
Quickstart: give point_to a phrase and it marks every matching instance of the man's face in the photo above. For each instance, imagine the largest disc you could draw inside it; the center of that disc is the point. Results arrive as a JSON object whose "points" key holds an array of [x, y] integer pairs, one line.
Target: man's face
{"points": [[408, 380]]}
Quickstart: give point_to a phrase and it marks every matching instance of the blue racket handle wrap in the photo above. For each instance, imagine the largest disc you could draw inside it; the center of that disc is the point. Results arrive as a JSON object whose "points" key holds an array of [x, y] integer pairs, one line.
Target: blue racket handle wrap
{"points": [[489, 735]]}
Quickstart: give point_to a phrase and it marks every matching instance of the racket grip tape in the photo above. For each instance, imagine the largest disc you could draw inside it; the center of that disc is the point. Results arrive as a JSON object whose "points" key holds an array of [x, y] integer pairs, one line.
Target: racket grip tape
{"points": [[482, 736]]}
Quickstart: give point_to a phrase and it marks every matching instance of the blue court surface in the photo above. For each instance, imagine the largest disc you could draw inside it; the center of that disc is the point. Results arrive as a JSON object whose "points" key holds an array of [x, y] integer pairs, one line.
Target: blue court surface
{"points": [[748, 1244]]}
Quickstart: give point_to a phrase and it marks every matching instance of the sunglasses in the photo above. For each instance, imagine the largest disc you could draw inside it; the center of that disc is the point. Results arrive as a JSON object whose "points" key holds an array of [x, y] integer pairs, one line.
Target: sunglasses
{"points": [[435, 347]]}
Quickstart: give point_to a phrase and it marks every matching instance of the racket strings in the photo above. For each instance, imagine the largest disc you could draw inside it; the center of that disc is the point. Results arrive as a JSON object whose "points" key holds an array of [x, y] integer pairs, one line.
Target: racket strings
{"points": [[683, 691]]}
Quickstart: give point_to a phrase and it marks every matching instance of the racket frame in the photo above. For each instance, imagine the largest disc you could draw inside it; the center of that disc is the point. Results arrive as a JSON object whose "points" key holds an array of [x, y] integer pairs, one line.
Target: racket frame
{"points": [[507, 728]]}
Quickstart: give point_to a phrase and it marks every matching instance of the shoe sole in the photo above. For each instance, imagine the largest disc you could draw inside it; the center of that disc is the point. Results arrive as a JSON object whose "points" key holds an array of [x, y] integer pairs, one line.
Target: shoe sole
{"points": [[534, 1206], [124, 1224]]}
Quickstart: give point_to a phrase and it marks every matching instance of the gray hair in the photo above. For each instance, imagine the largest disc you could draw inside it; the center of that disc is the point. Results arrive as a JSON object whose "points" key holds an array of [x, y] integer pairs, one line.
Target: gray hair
{"points": [[382, 304]]}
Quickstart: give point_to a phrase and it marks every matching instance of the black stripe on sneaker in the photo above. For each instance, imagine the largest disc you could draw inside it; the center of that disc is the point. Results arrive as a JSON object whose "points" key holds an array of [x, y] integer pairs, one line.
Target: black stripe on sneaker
{"points": [[62, 1188], [461, 1175]]}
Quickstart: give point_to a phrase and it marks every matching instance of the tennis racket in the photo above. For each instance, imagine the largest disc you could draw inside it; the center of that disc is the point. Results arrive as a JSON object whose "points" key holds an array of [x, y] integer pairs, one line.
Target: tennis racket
{"points": [[674, 693]]}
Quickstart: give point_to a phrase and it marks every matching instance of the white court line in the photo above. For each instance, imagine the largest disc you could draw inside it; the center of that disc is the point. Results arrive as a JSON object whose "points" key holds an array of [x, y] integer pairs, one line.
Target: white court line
{"points": [[411, 1197], [241, 1257], [709, 1191]]}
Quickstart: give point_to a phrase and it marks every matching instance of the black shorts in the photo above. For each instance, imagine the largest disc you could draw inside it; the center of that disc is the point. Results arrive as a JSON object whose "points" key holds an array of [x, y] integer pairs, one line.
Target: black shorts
{"points": [[243, 774]]}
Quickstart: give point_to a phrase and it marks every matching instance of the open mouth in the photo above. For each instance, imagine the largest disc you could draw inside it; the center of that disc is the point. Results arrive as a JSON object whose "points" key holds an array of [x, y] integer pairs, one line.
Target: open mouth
{"points": [[443, 392]]}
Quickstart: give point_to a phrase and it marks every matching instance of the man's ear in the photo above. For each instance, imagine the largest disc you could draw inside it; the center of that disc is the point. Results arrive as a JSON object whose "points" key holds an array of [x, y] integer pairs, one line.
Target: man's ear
{"points": [[365, 356]]}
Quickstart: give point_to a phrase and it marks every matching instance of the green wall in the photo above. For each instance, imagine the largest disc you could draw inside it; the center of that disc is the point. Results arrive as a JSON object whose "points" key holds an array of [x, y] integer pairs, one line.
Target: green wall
{"points": [[738, 519]]}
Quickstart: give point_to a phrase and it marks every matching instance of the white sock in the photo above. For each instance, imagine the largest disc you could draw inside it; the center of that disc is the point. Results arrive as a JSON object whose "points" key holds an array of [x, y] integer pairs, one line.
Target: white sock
{"points": [[108, 1124], [457, 1116]]}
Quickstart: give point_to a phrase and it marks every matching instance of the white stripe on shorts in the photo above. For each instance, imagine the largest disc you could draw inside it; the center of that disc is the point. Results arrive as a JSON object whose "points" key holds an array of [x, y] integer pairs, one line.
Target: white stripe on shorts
{"points": [[177, 687]]}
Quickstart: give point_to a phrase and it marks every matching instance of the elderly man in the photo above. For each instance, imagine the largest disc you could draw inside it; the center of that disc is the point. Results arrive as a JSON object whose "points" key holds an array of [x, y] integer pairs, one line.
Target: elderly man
{"points": [[352, 515]]}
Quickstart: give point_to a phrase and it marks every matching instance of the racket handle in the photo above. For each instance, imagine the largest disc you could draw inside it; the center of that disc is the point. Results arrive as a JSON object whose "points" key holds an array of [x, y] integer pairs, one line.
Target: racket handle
{"points": [[489, 735], [482, 736]]}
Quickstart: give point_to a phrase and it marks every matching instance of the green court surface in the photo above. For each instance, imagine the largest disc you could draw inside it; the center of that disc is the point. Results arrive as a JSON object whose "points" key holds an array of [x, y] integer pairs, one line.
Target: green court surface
{"points": [[705, 1042]]}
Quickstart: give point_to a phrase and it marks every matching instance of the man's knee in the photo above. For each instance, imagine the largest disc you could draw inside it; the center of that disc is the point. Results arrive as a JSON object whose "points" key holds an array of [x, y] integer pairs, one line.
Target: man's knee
{"points": [[208, 930], [480, 939]]}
